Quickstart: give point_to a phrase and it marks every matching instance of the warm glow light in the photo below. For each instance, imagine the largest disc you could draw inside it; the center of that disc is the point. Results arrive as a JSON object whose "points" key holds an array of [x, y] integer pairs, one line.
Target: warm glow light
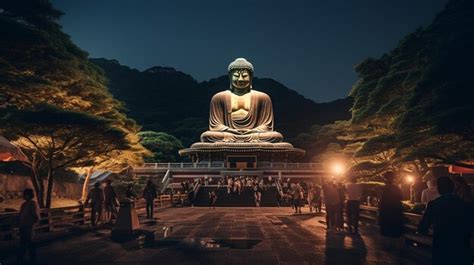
{"points": [[337, 168], [409, 179]]}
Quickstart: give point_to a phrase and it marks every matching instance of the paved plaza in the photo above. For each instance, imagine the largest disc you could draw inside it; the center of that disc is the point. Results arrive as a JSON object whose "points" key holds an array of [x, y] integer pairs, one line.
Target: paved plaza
{"points": [[223, 236]]}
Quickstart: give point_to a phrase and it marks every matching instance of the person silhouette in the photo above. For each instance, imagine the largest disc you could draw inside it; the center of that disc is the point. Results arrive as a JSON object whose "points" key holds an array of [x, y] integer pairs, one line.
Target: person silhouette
{"points": [[28, 216], [390, 217], [452, 220]]}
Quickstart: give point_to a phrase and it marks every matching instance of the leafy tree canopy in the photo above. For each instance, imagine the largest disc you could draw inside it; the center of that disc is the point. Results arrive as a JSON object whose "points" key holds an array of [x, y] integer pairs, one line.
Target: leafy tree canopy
{"points": [[163, 146]]}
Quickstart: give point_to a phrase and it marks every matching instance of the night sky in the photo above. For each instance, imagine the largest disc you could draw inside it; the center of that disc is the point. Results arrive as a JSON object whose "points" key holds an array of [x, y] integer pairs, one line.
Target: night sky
{"points": [[310, 46]]}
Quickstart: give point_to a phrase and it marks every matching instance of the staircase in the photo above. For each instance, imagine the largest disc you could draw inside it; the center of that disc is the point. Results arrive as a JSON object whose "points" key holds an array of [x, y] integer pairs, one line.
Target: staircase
{"points": [[245, 199]]}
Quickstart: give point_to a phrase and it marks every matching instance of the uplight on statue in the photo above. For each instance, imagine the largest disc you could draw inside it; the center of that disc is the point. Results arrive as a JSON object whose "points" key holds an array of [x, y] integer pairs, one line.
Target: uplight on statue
{"points": [[241, 124]]}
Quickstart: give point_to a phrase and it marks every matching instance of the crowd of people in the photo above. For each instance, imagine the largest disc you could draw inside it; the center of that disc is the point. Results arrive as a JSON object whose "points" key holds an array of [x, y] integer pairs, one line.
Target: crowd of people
{"points": [[104, 202], [449, 208], [105, 199]]}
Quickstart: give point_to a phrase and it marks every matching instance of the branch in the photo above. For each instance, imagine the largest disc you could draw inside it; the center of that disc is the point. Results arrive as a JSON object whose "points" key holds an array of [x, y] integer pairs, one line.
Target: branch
{"points": [[34, 144], [452, 162]]}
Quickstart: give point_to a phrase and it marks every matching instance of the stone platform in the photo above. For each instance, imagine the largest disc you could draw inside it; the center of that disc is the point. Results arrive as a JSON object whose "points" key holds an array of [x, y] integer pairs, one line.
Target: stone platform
{"points": [[225, 236], [264, 151]]}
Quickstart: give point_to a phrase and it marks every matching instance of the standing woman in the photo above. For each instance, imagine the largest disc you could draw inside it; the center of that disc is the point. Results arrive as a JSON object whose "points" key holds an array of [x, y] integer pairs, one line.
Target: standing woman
{"points": [[391, 219]]}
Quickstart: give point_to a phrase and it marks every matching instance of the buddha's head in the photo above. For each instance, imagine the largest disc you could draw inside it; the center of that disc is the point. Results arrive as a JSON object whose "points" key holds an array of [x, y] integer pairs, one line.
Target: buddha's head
{"points": [[240, 75]]}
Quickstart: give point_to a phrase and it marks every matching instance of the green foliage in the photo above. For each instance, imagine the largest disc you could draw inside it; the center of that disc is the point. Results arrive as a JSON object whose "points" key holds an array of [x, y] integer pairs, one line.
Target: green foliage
{"points": [[163, 146], [416, 100], [56, 106], [323, 142], [413, 106]]}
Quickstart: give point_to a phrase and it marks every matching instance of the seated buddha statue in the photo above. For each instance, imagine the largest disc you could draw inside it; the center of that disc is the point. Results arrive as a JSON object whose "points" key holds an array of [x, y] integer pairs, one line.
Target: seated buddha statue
{"points": [[241, 114]]}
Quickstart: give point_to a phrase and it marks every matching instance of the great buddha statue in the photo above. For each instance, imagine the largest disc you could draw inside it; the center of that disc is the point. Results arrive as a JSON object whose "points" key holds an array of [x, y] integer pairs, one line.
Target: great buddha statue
{"points": [[241, 124], [241, 114]]}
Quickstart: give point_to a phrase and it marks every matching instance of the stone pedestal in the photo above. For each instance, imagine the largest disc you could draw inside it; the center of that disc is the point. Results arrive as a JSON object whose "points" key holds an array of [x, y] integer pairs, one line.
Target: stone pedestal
{"points": [[263, 151], [127, 221]]}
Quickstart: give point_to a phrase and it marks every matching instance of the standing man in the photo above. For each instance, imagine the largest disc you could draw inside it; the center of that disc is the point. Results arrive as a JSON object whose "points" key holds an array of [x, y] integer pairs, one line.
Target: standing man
{"points": [[317, 197], [331, 201], [149, 194], [297, 197], [96, 198], [28, 216], [130, 193], [453, 221], [310, 197], [354, 193], [429, 193], [111, 201]]}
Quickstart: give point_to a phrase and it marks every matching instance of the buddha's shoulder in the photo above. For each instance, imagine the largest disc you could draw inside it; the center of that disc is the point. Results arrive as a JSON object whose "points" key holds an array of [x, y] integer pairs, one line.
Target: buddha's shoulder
{"points": [[221, 95]]}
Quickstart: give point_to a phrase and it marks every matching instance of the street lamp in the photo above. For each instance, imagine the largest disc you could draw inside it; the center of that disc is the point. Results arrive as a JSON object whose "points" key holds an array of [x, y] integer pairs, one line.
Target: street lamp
{"points": [[410, 180], [337, 168]]}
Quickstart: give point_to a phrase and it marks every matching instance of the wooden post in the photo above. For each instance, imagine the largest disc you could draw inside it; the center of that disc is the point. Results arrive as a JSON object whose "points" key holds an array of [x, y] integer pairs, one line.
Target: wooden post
{"points": [[50, 223]]}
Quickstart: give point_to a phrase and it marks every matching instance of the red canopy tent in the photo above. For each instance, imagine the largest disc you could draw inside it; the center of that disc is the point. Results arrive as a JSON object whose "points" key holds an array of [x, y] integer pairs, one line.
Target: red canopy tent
{"points": [[461, 170], [9, 152]]}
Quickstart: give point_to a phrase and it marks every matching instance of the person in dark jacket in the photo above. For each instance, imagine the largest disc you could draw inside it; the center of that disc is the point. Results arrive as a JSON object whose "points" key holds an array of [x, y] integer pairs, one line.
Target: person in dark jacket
{"points": [[96, 199], [130, 192], [28, 216], [149, 194], [390, 218], [452, 220], [110, 201]]}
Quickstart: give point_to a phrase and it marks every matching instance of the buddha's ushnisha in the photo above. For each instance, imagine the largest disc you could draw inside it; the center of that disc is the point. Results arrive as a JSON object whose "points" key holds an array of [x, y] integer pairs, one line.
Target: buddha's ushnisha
{"points": [[241, 114]]}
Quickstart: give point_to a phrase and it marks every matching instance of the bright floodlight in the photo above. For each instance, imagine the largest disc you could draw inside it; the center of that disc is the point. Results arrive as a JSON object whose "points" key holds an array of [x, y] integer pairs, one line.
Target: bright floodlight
{"points": [[409, 179], [337, 168]]}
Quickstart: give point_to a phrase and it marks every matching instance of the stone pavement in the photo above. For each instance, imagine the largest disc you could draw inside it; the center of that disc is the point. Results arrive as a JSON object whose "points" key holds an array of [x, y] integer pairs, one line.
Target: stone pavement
{"points": [[224, 236]]}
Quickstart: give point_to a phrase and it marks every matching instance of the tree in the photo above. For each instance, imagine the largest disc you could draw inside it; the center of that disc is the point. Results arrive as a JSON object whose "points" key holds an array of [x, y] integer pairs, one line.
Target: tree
{"points": [[39, 64], [54, 139], [415, 100], [412, 106], [163, 146]]}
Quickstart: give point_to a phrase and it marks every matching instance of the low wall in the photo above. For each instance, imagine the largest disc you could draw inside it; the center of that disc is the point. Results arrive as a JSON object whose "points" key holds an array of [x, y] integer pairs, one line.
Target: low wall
{"points": [[12, 186]]}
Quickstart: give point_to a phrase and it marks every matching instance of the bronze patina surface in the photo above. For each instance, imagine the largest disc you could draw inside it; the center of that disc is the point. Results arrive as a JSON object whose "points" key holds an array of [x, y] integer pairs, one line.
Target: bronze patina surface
{"points": [[241, 121]]}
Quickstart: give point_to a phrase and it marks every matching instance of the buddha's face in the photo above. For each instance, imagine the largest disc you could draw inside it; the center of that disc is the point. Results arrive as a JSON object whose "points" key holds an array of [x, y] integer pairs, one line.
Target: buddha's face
{"points": [[241, 78]]}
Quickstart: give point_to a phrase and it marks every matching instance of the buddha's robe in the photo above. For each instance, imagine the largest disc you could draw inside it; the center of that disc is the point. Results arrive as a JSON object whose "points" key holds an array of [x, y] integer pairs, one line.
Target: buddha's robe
{"points": [[258, 122]]}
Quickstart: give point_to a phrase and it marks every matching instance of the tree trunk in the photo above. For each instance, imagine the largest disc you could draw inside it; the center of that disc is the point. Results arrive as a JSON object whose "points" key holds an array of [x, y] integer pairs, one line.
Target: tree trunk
{"points": [[39, 191], [50, 187], [86, 184]]}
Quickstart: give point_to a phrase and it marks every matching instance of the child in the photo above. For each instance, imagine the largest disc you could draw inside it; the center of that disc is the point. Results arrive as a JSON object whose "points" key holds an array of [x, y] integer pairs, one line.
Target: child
{"points": [[212, 200]]}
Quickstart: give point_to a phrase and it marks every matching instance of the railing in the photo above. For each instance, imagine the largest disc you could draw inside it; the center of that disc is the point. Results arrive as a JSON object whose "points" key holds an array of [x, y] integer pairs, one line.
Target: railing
{"points": [[217, 165], [279, 187], [165, 181], [196, 189], [64, 218], [369, 214]]}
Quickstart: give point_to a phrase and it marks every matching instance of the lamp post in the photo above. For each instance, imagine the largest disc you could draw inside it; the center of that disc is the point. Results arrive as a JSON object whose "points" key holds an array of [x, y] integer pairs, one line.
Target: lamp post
{"points": [[410, 180]]}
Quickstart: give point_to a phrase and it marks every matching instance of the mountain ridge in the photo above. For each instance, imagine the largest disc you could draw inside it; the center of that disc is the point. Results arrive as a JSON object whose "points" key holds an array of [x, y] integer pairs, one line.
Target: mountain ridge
{"points": [[151, 95]]}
